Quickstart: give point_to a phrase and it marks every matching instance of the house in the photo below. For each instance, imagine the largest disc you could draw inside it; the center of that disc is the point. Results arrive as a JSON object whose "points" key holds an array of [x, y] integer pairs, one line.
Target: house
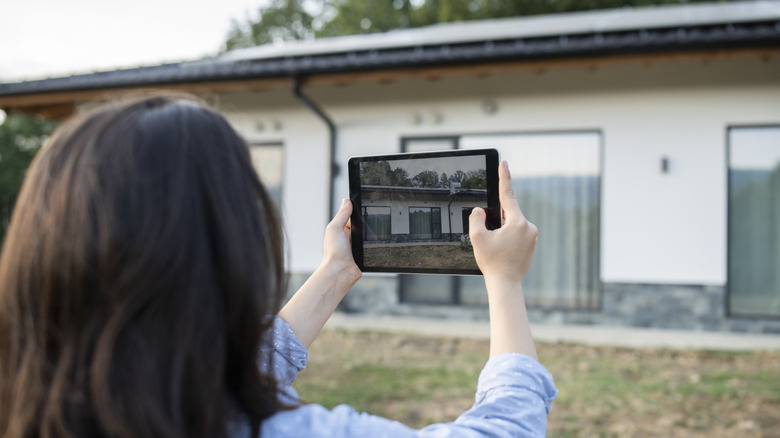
{"points": [[408, 214], [644, 143]]}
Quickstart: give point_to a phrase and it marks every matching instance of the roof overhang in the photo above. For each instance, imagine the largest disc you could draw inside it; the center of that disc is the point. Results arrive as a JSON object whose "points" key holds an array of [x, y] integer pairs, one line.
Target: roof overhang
{"points": [[744, 29], [438, 192]]}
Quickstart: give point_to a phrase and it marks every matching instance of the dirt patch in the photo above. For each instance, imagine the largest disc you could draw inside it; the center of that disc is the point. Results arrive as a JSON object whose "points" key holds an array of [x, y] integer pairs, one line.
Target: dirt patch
{"points": [[604, 391], [449, 256]]}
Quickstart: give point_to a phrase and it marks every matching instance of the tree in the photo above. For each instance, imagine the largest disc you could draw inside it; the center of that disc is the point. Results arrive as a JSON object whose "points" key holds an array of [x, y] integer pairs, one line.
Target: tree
{"points": [[444, 181], [20, 138], [282, 20], [475, 179], [352, 17], [458, 176], [426, 178], [375, 173], [285, 20], [380, 173], [400, 178]]}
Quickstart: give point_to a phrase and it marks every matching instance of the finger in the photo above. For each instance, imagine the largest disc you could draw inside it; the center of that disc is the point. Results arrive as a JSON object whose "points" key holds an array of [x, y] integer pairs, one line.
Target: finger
{"points": [[506, 195]]}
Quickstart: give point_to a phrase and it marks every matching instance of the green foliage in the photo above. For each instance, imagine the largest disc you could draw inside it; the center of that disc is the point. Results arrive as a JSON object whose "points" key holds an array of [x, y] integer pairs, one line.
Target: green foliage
{"points": [[20, 138], [400, 178], [352, 17], [282, 20], [380, 173], [475, 179], [458, 176], [375, 173], [286, 20], [426, 178]]}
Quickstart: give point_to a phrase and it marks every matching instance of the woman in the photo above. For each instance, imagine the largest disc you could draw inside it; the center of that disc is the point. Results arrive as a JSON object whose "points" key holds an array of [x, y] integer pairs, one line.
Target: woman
{"points": [[142, 261]]}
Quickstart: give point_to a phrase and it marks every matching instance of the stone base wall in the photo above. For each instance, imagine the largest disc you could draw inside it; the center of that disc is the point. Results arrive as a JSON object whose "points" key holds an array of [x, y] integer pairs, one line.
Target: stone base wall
{"points": [[404, 238], [680, 307]]}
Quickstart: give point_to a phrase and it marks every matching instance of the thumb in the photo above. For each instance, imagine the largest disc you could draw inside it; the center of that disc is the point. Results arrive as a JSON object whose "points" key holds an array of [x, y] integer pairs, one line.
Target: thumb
{"points": [[477, 221], [342, 216]]}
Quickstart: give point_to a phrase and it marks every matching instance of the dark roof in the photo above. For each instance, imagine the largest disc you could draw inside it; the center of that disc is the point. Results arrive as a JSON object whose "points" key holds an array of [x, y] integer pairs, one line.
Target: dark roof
{"points": [[626, 31], [422, 190]]}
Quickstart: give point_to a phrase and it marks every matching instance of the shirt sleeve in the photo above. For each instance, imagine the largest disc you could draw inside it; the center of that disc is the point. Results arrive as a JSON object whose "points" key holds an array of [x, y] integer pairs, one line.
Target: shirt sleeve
{"points": [[281, 354], [514, 396]]}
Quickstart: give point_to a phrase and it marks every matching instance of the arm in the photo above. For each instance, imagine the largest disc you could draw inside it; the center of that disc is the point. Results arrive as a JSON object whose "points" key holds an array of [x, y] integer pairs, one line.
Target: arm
{"points": [[514, 393], [504, 256], [310, 307]]}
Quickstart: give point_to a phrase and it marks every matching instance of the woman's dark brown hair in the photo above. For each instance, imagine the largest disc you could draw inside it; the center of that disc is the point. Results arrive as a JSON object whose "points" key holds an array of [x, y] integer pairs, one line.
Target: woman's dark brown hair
{"points": [[140, 263]]}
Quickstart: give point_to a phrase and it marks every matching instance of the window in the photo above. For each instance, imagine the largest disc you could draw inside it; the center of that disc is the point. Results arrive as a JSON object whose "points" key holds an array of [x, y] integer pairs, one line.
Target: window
{"points": [[754, 221], [376, 222], [424, 223], [557, 180], [465, 214], [268, 161]]}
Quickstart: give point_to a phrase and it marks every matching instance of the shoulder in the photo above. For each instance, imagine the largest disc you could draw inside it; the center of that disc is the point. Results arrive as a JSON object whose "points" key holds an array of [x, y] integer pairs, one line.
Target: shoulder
{"points": [[316, 421]]}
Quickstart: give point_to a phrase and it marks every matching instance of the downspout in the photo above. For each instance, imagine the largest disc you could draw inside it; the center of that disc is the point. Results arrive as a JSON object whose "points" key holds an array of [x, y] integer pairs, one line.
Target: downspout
{"points": [[449, 213], [334, 167]]}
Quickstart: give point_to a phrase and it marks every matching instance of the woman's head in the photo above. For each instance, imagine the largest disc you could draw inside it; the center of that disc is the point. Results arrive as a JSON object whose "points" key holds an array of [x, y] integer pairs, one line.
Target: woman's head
{"points": [[140, 260]]}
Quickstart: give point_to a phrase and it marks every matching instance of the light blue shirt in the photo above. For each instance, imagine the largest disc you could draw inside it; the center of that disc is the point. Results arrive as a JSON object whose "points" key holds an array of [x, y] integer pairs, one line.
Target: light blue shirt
{"points": [[514, 396]]}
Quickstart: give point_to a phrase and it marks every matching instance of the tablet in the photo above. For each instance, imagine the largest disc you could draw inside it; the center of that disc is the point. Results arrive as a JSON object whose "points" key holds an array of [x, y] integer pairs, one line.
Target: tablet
{"points": [[411, 211]]}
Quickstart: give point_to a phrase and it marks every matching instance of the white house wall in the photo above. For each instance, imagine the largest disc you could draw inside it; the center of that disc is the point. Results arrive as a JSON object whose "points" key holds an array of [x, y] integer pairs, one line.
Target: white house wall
{"points": [[306, 174], [399, 213], [662, 228]]}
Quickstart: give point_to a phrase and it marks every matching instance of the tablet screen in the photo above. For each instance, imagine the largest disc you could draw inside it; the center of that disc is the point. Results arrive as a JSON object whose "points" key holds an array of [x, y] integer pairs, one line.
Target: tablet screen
{"points": [[411, 211]]}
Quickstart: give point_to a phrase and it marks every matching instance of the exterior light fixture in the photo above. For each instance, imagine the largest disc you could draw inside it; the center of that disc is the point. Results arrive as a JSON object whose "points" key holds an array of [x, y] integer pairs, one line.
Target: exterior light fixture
{"points": [[664, 164], [489, 106]]}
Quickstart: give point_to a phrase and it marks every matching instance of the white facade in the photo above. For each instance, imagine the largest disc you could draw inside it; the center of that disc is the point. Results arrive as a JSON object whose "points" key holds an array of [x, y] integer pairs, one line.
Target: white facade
{"points": [[449, 213], [656, 227]]}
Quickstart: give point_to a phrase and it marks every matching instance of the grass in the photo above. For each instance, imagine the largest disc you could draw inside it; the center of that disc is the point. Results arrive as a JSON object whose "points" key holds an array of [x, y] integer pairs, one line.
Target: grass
{"points": [[420, 256], [375, 386], [604, 391]]}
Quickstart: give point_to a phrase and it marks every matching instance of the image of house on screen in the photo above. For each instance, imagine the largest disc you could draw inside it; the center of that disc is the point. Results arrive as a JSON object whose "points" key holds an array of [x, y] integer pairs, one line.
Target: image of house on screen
{"points": [[418, 214]]}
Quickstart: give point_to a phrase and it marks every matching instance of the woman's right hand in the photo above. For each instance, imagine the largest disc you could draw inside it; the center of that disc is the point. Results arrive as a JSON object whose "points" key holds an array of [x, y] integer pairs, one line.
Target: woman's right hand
{"points": [[504, 253], [310, 307], [504, 256]]}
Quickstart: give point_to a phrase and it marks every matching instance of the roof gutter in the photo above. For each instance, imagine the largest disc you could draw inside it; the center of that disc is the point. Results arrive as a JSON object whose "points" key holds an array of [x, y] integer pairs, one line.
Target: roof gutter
{"points": [[334, 167]]}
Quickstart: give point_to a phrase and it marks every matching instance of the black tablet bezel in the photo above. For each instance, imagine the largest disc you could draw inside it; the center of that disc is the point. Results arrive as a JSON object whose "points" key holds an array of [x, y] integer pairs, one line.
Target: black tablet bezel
{"points": [[493, 209]]}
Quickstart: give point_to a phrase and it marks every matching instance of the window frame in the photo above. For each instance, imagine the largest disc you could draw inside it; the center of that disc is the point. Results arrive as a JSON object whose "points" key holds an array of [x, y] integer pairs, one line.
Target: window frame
{"points": [[455, 280], [431, 223], [364, 214], [730, 228]]}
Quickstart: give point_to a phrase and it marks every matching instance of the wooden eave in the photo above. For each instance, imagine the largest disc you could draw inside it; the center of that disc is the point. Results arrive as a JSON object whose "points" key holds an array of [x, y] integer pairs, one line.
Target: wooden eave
{"points": [[59, 105]]}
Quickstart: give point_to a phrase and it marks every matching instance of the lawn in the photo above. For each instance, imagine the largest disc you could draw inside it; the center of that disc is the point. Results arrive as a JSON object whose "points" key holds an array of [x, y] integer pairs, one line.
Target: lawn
{"points": [[604, 391], [434, 256]]}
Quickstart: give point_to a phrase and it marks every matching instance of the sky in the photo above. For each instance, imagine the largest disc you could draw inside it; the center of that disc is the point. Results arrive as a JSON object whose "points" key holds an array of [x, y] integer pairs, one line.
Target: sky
{"points": [[50, 38], [447, 164]]}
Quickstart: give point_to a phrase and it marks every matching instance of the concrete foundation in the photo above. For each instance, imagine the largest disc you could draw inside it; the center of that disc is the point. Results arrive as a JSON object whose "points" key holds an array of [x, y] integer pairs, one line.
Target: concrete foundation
{"points": [[677, 307]]}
